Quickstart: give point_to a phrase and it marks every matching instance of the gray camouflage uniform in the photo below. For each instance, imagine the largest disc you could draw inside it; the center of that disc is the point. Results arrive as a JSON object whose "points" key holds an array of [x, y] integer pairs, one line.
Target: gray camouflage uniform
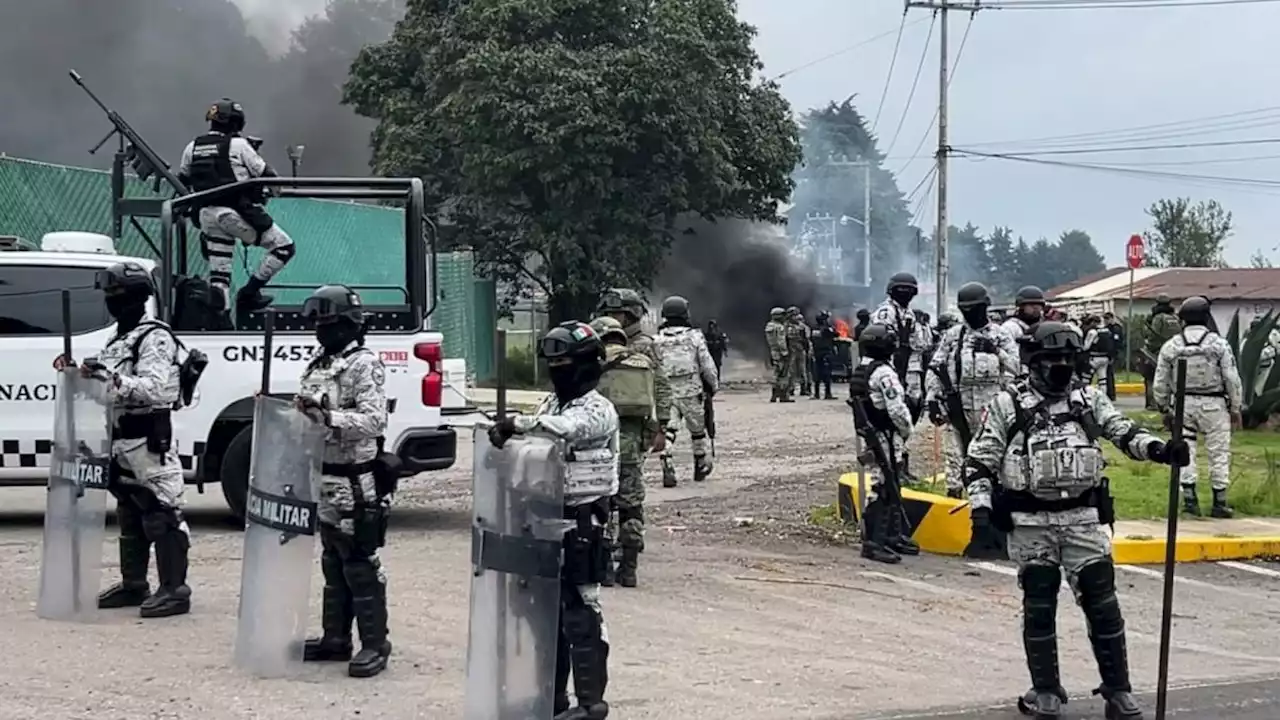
{"points": [[887, 394], [903, 322], [975, 376], [687, 364], [1214, 393]]}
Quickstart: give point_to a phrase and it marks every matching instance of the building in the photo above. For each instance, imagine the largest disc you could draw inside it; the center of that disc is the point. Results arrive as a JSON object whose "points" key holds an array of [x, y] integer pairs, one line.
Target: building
{"points": [[1249, 291]]}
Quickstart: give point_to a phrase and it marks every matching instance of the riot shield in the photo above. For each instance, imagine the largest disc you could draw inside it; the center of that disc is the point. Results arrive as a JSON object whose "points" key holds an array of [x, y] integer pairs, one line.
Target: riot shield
{"points": [[279, 539], [516, 535], [76, 505]]}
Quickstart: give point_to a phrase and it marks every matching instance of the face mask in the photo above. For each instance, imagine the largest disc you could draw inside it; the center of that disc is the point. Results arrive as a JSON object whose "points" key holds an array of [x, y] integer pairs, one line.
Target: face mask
{"points": [[1030, 314], [975, 317], [1056, 378], [126, 310], [903, 296], [333, 337], [572, 381]]}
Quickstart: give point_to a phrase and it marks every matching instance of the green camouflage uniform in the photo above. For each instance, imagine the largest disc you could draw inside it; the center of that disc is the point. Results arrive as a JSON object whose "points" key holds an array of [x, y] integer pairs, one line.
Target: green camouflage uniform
{"points": [[775, 334], [1161, 327], [797, 353]]}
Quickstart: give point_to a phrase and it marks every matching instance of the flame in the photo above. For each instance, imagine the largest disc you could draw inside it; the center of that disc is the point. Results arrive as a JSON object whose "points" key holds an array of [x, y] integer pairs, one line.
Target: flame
{"points": [[842, 328]]}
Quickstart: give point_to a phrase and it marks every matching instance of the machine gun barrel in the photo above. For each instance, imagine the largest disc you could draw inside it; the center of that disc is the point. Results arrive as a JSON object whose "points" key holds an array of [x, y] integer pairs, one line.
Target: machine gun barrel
{"points": [[150, 159]]}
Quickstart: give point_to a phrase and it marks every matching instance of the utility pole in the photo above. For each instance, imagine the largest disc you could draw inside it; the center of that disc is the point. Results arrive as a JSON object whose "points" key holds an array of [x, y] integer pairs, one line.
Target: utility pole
{"points": [[865, 220], [942, 262]]}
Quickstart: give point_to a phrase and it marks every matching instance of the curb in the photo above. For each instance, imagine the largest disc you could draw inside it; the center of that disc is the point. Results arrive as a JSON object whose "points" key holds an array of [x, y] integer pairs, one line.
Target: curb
{"points": [[1131, 388], [939, 530]]}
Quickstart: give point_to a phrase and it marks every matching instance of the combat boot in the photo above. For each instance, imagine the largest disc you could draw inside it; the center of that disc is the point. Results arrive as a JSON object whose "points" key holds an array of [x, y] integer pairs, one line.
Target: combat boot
{"points": [[701, 468], [827, 394], [874, 545], [1190, 501], [773, 395], [335, 619], [627, 567], [1112, 655], [610, 573], [1046, 697], [173, 597], [786, 396], [133, 588], [899, 541], [371, 622], [668, 473], [1220, 509], [590, 678], [250, 298]]}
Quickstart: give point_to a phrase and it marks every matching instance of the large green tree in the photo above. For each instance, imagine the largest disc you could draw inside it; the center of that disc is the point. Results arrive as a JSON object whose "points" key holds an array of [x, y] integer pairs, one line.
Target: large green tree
{"points": [[562, 138], [1183, 234]]}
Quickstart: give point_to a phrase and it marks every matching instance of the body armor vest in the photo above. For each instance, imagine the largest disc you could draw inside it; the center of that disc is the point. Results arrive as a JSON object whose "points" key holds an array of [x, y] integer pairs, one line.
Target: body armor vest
{"points": [[211, 162], [627, 382], [860, 392], [973, 368], [591, 474], [1204, 373], [1053, 451], [322, 382]]}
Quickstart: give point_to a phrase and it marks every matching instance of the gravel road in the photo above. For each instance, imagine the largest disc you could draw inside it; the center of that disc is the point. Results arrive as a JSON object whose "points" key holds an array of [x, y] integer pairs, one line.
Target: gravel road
{"points": [[745, 610]]}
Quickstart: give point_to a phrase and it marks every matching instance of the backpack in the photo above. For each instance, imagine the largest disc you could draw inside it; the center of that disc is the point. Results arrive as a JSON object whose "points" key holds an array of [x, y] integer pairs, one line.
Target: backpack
{"points": [[627, 382], [189, 370]]}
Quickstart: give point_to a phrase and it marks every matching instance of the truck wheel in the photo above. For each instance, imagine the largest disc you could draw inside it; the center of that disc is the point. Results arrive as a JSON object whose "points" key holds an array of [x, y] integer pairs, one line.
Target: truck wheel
{"points": [[234, 471]]}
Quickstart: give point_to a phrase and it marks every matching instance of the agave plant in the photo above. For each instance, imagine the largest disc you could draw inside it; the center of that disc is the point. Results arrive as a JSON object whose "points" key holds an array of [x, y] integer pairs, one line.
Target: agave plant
{"points": [[1261, 392]]}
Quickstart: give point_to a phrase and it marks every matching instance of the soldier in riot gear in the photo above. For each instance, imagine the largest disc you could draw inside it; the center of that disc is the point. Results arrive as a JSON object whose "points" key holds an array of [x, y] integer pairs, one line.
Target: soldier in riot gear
{"points": [[876, 395], [863, 317], [1213, 404], [579, 414], [908, 358], [142, 379], [218, 158], [1051, 499], [692, 376], [822, 338], [343, 388]]}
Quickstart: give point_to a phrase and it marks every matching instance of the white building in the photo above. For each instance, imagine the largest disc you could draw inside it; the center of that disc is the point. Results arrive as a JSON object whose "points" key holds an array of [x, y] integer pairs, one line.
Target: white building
{"points": [[1250, 291]]}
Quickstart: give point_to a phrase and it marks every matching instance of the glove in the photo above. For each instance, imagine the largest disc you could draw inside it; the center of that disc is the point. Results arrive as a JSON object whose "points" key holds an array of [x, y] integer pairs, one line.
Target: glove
{"points": [[317, 411], [502, 431], [1175, 453], [936, 415], [986, 542]]}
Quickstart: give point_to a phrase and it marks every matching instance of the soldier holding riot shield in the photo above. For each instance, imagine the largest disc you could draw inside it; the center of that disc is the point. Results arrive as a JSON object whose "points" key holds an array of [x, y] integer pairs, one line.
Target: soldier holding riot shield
{"points": [[342, 389], [588, 423]]}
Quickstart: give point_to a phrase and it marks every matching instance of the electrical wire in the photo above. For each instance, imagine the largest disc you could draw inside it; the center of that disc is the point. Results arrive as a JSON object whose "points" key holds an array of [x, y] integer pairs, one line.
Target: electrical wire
{"points": [[1225, 122], [841, 51], [955, 65], [1160, 174], [893, 61], [1112, 4], [927, 177], [1212, 161], [915, 82], [1140, 148]]}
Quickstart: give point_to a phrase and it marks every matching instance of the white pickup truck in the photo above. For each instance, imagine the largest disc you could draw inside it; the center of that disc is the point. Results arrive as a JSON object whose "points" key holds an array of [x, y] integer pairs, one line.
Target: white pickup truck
{"points": [[213, 435]]}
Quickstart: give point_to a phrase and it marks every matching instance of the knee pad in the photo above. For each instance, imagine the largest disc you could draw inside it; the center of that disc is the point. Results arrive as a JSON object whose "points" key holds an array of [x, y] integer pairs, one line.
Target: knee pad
{"points": [[331, 567], [630, 513], [128, 518], [284, 253], [1040, 585], [361, 573], [698, 436], [160, 521], [1097, 585], [1040, 581], [581, 625]]}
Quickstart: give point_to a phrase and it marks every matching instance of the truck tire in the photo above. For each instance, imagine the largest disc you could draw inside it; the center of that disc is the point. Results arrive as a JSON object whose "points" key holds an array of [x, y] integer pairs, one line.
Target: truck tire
{"points": [[233, 473]]}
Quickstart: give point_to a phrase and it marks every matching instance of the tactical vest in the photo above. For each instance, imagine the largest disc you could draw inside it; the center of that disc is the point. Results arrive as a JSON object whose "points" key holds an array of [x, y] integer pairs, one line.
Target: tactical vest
{"points": [[211, 162], [860, 392], [1204, 372], [1104, 345], [1053, 452], [974, 368], [822, 339], [678, 352], [627, 382], [1163, 327]]}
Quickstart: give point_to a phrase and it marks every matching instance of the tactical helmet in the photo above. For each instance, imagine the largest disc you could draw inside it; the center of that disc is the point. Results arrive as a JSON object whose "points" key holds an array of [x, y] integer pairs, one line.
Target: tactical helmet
{"points": [[824, 316], [877, 341], [571, 341], [226, 114], [1050, 338], [1163, 299], [609, 328], [777, 313], [793, 310], [622, 300], [334, 302], [863, 314], [125, 279], [675, 308], [902, 280], [1194, 310], [972, 295], [1029, 294], [946, 320]]}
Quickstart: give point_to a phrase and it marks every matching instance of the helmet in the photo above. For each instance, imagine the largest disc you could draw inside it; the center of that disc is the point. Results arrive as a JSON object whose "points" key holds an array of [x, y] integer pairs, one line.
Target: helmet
{"points": [[609, 328], [945, 321], [1194, 310], [571, 341], [622, 300], [675, 307], [902, 280], [1028, 294], [973, 295], [226, 114], [1163, 299], [126, 279], [330, 303], [777, 313], [824, 316], [877, 341], [793, 310], [1052, 352], [863, 314]]}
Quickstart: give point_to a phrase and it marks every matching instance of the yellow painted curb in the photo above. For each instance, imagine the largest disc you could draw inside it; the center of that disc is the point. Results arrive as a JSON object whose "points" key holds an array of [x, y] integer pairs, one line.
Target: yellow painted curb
{"points": [[942, 529], [1131, 388]]}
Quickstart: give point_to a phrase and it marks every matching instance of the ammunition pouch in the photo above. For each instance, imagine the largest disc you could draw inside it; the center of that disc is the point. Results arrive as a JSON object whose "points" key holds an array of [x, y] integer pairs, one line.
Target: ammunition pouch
{"points": [[586, 551], [387, 468], [155, 426], [371, 528], [1105, 502]]}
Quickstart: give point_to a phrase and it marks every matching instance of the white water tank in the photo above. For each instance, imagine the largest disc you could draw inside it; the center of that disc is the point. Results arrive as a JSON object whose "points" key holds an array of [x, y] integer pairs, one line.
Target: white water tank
{"points": [[73, 241]]}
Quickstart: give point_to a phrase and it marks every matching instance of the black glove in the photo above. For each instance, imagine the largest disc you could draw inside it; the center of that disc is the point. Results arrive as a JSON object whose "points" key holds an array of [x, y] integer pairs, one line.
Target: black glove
{"points": [[936, 416], [986, 542], [502, 431], [1175, 452]]}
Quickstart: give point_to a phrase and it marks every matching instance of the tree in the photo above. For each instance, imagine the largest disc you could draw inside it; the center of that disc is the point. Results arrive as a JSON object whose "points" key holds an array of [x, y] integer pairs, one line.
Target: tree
{"points": [[1186, 235], [574, 132], [1077, 257], [1258, 260], [1004, 266], [967, 258]]}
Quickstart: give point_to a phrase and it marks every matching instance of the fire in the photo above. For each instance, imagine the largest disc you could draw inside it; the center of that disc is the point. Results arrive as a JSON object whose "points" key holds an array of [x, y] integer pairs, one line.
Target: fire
{"points": [[842, 328]]}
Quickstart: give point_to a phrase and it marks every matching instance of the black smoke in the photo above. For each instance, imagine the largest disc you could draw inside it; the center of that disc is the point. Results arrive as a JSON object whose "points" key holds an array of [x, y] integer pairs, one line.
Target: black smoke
{"points": [[160, 65], [735, 271]]}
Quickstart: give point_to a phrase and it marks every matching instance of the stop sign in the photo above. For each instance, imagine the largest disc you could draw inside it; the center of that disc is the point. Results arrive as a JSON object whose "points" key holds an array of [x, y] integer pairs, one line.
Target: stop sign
{"points": [[1135, 251]]}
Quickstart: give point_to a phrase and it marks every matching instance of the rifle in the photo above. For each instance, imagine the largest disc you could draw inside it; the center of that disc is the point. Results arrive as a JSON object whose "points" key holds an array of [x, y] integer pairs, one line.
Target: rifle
{"points": [[863, 428], [709, 416], [955, 411], [145, 161]]}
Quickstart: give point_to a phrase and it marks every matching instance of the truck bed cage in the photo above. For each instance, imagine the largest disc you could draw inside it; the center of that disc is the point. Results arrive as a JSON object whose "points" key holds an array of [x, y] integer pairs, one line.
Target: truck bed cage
{"points": [[420, 297]]}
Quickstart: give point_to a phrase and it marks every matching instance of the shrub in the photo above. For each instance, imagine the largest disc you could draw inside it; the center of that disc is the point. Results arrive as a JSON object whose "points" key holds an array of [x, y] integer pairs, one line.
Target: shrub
{"points": [[1261, 395]]}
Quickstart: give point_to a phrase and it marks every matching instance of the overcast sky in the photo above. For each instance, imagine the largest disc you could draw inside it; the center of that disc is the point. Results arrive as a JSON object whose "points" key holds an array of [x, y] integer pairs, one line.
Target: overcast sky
{"points": [[1032, 74]]}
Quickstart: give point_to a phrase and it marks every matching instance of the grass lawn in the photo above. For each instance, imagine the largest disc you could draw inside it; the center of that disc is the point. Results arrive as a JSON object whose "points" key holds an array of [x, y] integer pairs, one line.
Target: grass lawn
{"points": [[1141, 489]]}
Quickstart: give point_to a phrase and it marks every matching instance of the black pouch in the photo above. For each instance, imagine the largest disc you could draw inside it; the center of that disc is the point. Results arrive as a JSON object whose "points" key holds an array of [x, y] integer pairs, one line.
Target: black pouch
{"points": [[370, 528], [585, 555], [387, 468], [1001, 515], [1105, 503], [160, 437]]}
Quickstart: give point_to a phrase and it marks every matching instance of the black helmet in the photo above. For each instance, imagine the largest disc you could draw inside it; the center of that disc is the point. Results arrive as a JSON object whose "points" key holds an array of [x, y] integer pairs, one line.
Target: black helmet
{"points": [[1194, 311], [1050, 344], [972, 295], [126, 279], [571, 341], [902, 280], [330, 303], [226, 115], [863, 314], [877, 341], [622, 300], [1028, 294], [675, 308], [1163, 299]]}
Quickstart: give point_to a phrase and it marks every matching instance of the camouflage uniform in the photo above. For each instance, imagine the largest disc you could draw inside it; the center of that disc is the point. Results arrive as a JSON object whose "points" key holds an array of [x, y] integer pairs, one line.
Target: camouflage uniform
{"points": [[775, 335], [1161, 327], [352, 515], [1214, 393], [875, 385], [903, 322], [689, 369], [978, 363], [797, 352]]}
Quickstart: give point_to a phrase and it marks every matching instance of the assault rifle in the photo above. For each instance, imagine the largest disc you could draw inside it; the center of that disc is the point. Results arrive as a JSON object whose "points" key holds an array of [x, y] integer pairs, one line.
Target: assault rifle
{"points": [[145, 161], [709, 416], [955, 410], [862, 426]]}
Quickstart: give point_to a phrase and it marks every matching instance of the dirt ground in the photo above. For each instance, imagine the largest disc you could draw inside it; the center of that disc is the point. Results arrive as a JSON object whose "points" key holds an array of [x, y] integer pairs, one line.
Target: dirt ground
{"points": [[745, 610]]}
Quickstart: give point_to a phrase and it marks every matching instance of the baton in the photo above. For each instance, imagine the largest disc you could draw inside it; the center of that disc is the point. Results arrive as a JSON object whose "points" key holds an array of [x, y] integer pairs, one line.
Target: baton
{"points": [[1171, 543]]}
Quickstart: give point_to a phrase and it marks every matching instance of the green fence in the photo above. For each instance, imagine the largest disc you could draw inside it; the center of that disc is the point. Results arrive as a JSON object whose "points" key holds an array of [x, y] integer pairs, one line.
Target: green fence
{"points": [[353, 243]]}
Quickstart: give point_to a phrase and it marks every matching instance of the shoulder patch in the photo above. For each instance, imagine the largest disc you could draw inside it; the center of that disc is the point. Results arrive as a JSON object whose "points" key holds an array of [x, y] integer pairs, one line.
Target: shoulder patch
{"points": [[378, 374]]}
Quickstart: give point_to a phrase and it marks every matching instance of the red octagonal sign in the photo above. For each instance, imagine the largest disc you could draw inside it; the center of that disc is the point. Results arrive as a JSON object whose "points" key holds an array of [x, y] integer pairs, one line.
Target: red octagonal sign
{"points": [[1135, 251]]}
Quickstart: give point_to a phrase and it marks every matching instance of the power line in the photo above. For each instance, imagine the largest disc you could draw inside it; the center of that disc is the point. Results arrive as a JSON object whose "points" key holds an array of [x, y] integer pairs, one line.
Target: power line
{"points": [[1214, 161], [893, 61], [1219, 179], [955, 65], [1239, 120], [915, 82], [927, 177], [1139, 148], [1112, 4], [841, 51]]}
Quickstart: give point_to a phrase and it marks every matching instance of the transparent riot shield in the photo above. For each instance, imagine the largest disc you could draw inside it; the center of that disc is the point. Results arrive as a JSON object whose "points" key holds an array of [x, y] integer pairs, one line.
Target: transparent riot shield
{"points": [[279, 539], [76, 506], [516, 534]]}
